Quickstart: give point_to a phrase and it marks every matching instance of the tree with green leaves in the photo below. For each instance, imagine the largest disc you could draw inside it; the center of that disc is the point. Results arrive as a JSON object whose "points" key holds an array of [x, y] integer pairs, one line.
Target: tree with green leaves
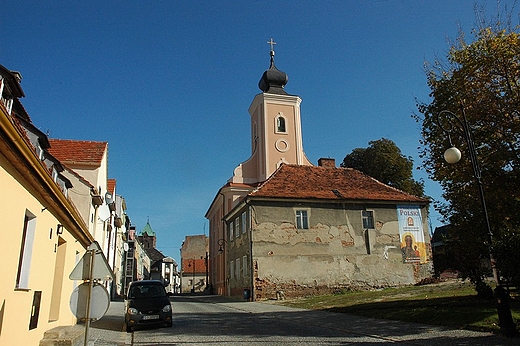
{"points": [[480, 77], [384, 161]]}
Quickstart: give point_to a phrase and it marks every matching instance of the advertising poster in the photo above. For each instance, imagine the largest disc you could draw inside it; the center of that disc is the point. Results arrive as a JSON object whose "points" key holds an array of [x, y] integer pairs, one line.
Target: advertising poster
{"points": [[411, 234]]}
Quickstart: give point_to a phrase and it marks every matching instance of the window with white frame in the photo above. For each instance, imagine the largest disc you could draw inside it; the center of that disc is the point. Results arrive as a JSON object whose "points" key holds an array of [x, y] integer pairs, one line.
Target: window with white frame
{"points": [[231, 269], [237, 227], [280, 124], [245, 266], [24, 262], [8, 104], [244, 222], [231, 229], [237, 261], [368, 219], [54, 174], [39, 151], [302, 219]]}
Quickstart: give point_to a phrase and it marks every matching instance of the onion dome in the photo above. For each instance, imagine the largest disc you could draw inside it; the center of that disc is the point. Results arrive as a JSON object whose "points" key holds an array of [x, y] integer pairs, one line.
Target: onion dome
{"points": [[273, 80]]}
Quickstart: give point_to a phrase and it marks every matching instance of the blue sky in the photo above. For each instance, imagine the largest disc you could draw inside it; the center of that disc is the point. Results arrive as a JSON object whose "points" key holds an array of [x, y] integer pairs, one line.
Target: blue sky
{"points": [[168, 84]]}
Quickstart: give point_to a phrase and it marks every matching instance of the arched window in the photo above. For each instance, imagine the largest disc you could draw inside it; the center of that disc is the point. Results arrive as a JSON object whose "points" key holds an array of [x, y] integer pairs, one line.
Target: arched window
{"points": [[280, 124]]}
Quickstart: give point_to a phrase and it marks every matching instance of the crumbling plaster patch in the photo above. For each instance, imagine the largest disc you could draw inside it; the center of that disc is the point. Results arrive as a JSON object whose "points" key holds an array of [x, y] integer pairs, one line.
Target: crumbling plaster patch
{"points": [[331, 253], [391, 227], [348, 271], [287, 234]]}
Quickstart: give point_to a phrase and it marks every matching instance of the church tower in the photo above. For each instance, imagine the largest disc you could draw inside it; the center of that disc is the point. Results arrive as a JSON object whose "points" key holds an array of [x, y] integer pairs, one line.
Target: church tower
{"points": [[148, 237], [276, 134]]}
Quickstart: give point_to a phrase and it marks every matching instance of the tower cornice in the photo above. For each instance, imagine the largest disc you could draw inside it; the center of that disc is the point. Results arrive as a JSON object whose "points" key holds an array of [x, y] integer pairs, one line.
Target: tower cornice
{"points": [[278, 98]]}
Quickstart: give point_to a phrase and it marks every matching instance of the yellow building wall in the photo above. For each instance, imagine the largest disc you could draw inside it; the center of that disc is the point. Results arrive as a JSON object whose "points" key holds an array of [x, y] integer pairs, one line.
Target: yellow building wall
{"points": [[16, 305]]}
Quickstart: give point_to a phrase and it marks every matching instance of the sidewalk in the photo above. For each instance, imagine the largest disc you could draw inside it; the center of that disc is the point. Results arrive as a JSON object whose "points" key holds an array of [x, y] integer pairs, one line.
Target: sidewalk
{"points": [[110, 329]]}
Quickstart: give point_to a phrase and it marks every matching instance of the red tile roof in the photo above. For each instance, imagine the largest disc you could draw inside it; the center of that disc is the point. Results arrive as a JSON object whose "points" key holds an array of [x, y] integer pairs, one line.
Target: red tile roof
{"points": [[314, 182], [77, 152]]}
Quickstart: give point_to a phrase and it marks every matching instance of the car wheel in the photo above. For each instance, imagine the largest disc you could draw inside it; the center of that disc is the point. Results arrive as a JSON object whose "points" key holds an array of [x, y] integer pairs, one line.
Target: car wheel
{"points": [[169, 324], [129, 329]]}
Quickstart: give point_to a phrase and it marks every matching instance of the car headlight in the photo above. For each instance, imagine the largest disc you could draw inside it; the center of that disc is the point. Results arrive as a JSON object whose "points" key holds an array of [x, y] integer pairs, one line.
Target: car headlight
{"points": [[167, 308], [133, 311]]}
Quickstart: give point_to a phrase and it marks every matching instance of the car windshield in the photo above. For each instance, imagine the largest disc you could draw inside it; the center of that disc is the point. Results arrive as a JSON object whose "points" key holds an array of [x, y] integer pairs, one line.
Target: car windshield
{"points": [[146, 291]]}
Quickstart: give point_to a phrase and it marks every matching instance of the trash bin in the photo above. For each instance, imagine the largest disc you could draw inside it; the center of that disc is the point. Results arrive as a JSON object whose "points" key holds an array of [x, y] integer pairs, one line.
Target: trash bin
{"points": [[247, 293]]}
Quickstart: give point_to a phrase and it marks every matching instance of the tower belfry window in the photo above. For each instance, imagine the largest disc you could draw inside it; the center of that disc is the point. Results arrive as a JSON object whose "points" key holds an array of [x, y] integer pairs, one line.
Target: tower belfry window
{"points": [[280, 124]]}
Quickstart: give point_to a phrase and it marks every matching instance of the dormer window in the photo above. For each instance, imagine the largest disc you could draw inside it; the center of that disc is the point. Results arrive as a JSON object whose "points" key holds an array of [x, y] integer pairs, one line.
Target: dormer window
{"points": [[5, 96], [40, 152], [1, 85], [54, 174], [8, 102], [280, 124], [61, 180]]}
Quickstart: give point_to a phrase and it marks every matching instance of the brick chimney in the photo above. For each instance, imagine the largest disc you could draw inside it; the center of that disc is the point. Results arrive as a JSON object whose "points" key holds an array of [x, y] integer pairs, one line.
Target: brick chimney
{"points": [[328, 163]]}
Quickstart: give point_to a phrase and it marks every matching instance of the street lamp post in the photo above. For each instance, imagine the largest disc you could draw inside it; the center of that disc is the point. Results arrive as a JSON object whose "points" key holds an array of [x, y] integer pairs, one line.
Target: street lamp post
{"points": [[222, 280], [453, 155], [207, 270]]}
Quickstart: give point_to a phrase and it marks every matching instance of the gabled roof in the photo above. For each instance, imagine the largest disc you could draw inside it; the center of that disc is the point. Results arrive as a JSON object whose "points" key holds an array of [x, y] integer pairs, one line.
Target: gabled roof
{"points": [[314, 182], [74, 152]]}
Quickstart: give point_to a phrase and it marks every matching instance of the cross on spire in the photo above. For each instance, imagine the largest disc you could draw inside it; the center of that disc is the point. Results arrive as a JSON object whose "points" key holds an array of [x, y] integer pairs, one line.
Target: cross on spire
{"points": [[272, 43]]}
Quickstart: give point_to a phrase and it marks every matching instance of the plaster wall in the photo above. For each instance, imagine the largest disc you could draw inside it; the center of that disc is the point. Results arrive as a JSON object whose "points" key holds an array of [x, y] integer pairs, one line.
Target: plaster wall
{"points": [[269, 147], [98, 177], [80, 195], [333, 253], [49, 267]]}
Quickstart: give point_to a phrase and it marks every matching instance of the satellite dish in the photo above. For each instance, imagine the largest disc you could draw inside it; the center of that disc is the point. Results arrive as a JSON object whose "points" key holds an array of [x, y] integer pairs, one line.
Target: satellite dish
{"points": [[103, 212], [99, 301], [109, 199]]}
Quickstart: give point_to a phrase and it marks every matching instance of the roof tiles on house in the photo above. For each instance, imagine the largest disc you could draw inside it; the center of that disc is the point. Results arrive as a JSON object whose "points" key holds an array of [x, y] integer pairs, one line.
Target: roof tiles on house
{"points": [[314, 182], [74, 152]]}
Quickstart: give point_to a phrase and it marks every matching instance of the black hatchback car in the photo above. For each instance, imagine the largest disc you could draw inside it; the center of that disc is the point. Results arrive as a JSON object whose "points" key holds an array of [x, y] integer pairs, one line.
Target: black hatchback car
{"points": [[146, 302]]}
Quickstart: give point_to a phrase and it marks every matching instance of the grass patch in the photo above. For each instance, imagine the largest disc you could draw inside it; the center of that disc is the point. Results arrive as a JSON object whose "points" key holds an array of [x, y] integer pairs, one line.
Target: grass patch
{"points": [[453, 304]]}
